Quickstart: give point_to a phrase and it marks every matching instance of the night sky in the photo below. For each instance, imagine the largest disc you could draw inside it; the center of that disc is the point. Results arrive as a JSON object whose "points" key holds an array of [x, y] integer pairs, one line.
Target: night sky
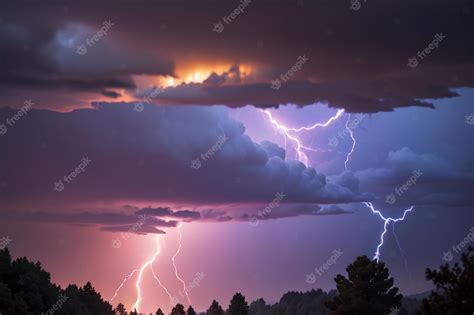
{"points": [[256, 129]]}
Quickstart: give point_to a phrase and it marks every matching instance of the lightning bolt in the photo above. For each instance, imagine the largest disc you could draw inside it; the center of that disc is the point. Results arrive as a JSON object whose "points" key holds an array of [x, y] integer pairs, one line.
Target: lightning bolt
{"points": [[150, 262], [287, 132], [140, 271], [316, 125], [385, 225], [161, 284], [123, 283], [353, 142], [174, 264], [403, 253]]}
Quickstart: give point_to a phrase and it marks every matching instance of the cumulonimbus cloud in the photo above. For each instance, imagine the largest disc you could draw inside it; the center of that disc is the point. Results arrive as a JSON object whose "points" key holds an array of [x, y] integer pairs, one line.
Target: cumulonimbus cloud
{"points": [[147, 157], [423, 179]]}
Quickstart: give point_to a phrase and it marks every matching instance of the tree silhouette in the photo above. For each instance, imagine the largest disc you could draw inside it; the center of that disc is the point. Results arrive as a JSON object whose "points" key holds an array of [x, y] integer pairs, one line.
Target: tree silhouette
{"points": [[238, 305], [11, 303], [454, 293], [258, 307], [178, 310], [215, 309], [120, 309], [25, 288], [191, 311], [134, 312], [159, 312], [369, 289]]}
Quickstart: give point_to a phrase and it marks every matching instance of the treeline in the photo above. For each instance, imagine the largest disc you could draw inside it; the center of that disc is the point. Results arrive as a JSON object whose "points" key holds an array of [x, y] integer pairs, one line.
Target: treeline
{"points": [[25, 288], [368, 289]]}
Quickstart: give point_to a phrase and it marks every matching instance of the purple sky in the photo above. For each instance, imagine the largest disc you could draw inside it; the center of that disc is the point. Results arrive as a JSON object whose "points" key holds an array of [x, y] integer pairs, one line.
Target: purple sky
{"points": [[120, 123]]}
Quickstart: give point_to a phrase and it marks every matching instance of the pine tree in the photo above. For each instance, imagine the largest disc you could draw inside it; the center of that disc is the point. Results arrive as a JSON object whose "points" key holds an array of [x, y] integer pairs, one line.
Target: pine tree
{"points": [[120, 309], [368, 290], [191, 311], [215, 309], [454, 293], [238, 305], [178, 310]]}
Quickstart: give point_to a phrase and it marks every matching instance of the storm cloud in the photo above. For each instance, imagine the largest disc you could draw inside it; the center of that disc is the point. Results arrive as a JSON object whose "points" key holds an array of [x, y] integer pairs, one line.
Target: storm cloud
{"points": [[356, 59], [162, 155]]}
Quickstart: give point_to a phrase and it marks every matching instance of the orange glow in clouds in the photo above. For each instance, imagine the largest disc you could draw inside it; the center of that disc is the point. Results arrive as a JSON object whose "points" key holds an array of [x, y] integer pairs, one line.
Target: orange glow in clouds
{"points": [[189, 74]]}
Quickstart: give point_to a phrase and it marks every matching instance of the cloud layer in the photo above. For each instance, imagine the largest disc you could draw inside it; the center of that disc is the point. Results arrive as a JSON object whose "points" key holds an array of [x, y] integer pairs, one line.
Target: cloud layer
{"points": [[196, 157], [359, 64]]}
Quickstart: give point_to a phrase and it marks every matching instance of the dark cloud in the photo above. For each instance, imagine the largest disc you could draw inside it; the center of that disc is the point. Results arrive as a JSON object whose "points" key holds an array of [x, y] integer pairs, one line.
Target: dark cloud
{"points": [[428, 178], [213, 215], [356, 59], [167, 212], [111, 94], [107, 221], [142, 221], [289, 211], [147, 156], [45, 57], [362, 95], [332, 210], [131, 229]]}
